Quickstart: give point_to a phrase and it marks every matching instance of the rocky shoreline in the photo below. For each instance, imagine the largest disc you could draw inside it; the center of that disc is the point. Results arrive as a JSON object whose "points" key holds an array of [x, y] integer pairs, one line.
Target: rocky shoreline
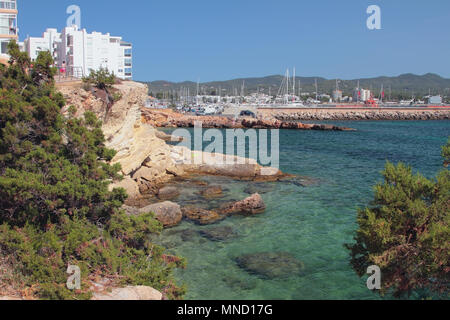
{"points": [[149, 166]]}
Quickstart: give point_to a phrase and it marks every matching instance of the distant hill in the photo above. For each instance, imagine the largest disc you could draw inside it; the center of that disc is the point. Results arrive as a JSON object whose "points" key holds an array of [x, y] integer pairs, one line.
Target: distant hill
{"points": [[405, 85]]}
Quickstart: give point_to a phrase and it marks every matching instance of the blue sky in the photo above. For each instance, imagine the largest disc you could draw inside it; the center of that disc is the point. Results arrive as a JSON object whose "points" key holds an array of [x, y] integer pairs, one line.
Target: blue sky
{"points": [[219, 40]]}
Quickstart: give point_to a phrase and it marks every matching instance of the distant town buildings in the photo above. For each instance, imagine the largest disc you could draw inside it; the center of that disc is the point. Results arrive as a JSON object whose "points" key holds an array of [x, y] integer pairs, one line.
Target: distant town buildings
{"points": [[79, 52], [8, 25], [337, 95], [361, 95], [435, 100]]}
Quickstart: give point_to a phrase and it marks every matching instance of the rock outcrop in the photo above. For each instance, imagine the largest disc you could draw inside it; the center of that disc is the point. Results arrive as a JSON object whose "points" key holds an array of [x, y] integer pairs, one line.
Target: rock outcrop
{"points": [[168, 213], [197, 162], [212, 192], [147, 161], [251, 205], [201, 216], [129, 293], [130, 186]]}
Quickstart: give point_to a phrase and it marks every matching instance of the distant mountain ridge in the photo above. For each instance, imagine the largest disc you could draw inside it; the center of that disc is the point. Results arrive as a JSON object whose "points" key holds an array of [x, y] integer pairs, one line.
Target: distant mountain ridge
{"points": [[406, 84]]}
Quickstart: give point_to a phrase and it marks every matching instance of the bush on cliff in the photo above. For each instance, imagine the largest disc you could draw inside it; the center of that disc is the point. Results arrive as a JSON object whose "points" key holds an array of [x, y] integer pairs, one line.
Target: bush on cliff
{"points": [[406, 232], [101, 79], [55, 207]]}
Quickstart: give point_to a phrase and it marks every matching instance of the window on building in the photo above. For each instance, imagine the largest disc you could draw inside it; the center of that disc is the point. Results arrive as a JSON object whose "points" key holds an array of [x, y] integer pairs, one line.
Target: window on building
{"points": [[11, 5], [128, 62], [4, 47], [128, 52]]}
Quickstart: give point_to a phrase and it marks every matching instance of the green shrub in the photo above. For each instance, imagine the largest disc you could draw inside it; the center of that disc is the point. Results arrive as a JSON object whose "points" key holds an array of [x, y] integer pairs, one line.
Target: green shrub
{"points": [[117, 96], [101, 79], [406, 232]]}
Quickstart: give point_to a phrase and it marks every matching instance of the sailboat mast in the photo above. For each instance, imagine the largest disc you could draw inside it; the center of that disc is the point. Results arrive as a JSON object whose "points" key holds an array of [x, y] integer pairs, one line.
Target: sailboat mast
{"points": [[315, 81], [293, 81]]}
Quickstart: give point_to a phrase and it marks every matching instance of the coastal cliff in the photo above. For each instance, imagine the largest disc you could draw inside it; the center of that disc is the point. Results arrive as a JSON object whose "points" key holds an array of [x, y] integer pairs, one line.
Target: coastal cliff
{"points": [[147, 161]]}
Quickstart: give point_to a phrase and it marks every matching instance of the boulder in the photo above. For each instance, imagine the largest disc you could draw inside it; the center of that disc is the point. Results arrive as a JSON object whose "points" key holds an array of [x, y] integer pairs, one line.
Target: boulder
{"points": [[130, 293], [130, 210], [201, 216], [269, 171], [130, 186], [211, 192], [168, 193], [168, 213], [251, 205]]}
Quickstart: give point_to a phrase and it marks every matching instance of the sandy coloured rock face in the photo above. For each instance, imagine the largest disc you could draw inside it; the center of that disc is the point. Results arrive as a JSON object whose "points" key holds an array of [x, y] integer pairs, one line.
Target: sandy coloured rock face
{"points": [[251, 205], [130, 293], [168, 213], [130, 186]]}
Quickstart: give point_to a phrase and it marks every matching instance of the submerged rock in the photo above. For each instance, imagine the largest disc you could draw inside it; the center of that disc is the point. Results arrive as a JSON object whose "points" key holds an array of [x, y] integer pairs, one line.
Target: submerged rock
{"points": [[218, 233], [239, 284], [185, 234], [270, 265], [200, 183], [252, 205], [212, 192], [168, 193], [302, 181], [202, 216], [261, 188]]}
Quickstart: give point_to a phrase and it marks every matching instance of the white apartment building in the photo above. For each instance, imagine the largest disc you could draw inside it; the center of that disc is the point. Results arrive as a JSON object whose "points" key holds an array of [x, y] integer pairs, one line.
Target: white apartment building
{"points": [[82, 52], [8, 25], [48, 42]]}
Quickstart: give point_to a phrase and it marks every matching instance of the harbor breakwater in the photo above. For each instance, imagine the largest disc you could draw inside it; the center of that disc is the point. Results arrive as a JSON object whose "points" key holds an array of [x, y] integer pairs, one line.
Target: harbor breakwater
{"points": [[356, 114], [171, 119]]}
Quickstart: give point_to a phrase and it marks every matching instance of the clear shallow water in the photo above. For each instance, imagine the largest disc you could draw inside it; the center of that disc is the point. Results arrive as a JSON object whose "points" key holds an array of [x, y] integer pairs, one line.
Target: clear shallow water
{"points": [[311, 223]]}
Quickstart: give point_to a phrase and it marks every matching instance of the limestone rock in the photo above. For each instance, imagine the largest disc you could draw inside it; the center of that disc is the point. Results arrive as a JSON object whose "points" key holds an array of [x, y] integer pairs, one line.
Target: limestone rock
{"points": [[130, 186], [130, 293], [168, 213], [201, 216], [251, 205]]}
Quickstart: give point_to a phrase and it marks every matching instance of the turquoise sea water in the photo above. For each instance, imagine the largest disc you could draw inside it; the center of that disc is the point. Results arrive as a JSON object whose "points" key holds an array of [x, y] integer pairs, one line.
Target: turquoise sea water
{"points": [[311, 223]]}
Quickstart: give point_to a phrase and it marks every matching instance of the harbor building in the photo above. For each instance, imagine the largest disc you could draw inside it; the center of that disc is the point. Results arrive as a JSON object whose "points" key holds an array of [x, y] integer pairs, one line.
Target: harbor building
{"points": [[79, 52], [435, 100], [361, 95], [8, 25], [337, 95]]}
